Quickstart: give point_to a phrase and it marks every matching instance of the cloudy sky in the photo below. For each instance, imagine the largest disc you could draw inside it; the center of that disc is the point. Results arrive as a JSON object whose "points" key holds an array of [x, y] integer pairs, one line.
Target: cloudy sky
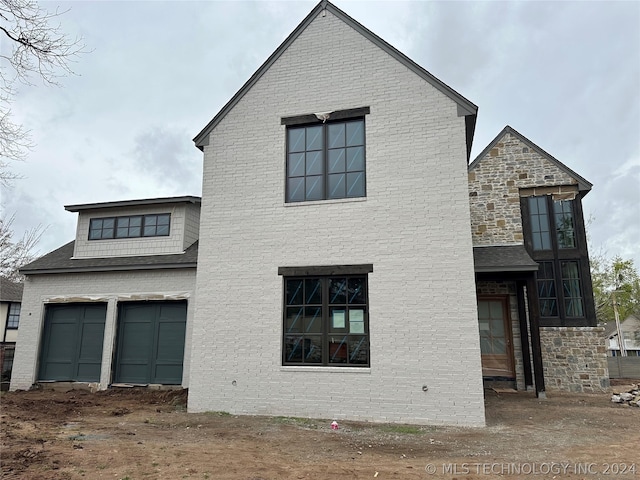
{"points": [[564, 74]]}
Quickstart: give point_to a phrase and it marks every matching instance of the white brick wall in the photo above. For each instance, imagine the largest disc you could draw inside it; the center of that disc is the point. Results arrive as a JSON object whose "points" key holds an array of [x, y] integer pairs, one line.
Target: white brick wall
{"points": [[413, 226], [102, 287], [182, 233]]}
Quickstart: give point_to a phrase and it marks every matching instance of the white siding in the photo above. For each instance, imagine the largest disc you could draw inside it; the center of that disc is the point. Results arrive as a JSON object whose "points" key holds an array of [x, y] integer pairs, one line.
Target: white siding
{"points": [[182, 229], [413, 226], [106, 287]]}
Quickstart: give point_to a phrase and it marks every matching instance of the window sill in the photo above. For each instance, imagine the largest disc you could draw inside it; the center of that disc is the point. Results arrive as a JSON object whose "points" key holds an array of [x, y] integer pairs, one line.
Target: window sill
{"points": [[360, 370], [324, 202]]}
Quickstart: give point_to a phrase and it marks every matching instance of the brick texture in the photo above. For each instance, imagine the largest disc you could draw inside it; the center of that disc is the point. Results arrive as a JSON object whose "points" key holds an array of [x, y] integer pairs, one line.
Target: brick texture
{"points": [[413, 226]]}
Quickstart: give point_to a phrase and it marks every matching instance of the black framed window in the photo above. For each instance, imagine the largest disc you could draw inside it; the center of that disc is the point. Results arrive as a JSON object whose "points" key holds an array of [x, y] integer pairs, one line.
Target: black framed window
{"points": [[547, 290], [326, 321], [572, 289], [565, 225], [539, 216], [13, 316], [156, 225], [556, 239], [326, 161]]}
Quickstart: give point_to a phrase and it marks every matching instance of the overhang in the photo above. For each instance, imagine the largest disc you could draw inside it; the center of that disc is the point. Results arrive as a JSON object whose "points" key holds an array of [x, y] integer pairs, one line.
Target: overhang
{"points": [[503, 258]]}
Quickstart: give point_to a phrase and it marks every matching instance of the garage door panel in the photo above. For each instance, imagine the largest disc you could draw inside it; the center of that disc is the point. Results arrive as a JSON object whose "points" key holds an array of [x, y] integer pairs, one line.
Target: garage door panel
{"points": [[72, 342], [168, 374], [151, 342], [136, 341], [91, 342], [62, 341], [170, 342]]}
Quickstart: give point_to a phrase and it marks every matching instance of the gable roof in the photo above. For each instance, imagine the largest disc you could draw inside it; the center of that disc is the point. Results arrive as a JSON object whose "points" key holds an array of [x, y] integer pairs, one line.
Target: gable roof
{"points": [[10, 291], [62, 261], [133, 203], [583, 185], [465, 107]]}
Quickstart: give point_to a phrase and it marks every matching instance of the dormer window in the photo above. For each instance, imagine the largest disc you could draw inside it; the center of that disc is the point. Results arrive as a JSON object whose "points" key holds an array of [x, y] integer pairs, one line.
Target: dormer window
{"points": [[133, 226]]}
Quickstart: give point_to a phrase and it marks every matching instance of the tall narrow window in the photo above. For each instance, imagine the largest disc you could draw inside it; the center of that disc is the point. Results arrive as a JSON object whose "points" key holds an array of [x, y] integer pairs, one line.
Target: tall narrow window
{"points": [[13, 317], [326, 161], [565, 229], [539, 215], [547, 290], [326, 321], [572, 289]]}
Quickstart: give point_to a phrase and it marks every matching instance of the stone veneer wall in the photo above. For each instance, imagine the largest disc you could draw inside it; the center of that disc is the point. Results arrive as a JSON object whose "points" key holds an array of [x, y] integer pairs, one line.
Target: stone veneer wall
{"points": [[574, 359], [494, 189], [508, 288]]}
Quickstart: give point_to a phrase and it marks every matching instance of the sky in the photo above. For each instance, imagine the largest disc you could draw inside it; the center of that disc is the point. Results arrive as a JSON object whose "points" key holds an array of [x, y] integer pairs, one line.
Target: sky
{"points": [[566, 75]]}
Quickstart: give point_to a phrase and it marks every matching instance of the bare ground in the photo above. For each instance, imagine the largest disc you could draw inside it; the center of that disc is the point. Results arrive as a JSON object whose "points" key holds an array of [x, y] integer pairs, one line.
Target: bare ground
{"points": [[130, 434]]}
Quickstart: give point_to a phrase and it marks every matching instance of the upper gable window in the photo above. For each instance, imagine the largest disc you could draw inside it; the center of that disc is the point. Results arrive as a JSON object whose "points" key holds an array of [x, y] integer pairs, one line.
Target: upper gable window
{"points": [[326, 160], [563, 223], [130, 226]]}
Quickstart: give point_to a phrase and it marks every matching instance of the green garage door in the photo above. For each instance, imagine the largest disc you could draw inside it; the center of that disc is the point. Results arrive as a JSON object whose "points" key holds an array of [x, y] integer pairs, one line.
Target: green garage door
{"points": [[72, 342], [151, 342]]}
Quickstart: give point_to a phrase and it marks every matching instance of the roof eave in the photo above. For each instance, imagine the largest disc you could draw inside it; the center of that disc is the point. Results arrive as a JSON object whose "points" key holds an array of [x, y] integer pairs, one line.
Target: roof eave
{"points": [[523, 268], [133, 203], [109, 268]]}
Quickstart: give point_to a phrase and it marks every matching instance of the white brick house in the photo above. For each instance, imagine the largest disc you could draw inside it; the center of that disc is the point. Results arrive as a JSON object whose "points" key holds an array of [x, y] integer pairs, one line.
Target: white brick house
{"points": [[349, 261], [400, 227]]}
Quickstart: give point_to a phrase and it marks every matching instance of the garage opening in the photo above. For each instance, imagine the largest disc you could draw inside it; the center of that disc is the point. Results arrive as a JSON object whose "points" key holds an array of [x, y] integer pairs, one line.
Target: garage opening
{"points": [[150, 344], [72, 342]]}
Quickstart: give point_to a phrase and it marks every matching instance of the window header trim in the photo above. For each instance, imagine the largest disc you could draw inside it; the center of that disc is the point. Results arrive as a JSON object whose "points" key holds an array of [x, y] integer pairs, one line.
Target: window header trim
{"points": [[325, 270], [313, 118]]}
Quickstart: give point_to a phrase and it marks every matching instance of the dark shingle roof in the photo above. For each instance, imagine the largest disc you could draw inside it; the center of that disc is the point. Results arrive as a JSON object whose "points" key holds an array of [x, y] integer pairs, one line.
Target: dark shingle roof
{"points": [[504, 258], [10, 291], [61, 261]]}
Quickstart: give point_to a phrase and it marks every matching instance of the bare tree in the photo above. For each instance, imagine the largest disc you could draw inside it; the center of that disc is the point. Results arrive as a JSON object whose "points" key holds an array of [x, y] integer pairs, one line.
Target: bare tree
{"points": [[14, 255], [33, 46]]}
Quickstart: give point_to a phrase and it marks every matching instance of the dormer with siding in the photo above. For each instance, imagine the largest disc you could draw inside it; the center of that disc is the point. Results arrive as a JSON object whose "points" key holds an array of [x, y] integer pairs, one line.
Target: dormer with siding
{"points": [[158, 226]]}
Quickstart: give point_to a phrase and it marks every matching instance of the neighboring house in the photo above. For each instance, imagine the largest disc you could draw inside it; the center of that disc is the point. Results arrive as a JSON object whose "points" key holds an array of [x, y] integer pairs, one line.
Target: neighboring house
{"points": [[630, 328], [531, 256], [114, 305], [10, 300], [335, 255]]}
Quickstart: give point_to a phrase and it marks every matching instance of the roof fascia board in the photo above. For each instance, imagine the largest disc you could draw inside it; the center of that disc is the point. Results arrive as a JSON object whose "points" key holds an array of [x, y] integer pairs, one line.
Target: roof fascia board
{"points": [[132, 203], [464, 106], [110, 268], [583, 184], [523, 268]]}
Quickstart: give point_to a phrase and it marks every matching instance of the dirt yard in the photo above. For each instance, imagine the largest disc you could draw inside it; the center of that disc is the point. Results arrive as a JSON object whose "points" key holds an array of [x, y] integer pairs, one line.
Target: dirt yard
{"points": [[128, 434]]}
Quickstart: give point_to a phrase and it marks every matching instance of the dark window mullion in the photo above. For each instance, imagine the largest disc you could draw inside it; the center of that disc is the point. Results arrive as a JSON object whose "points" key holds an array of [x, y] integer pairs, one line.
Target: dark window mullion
{"points": [[551, 217], [325, 321], [325, 154]]}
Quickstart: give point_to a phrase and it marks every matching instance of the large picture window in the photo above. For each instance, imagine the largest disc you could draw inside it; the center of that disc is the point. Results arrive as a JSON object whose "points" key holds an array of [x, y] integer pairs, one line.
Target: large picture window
{"points": [[326, 321], [555, 238], [133, 226], [326, 161]]}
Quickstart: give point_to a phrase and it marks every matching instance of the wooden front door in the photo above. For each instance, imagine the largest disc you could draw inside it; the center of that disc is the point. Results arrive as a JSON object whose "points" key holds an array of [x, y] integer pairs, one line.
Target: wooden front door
{"points": [[496, 345]]}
